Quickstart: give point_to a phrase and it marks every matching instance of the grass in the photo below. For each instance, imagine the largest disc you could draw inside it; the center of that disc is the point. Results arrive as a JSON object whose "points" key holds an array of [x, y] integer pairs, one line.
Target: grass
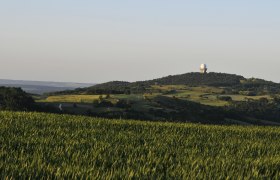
{"points": [[71, 99], [35, 146], [86, 98], [128, 96], [200, 97], [243, 98]]}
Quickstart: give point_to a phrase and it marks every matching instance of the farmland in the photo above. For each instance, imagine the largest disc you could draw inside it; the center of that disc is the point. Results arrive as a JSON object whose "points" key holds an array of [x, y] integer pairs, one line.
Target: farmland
{"points": [[204, 104], [37, 145], [71, 98], [205, 95], [184, 103]]}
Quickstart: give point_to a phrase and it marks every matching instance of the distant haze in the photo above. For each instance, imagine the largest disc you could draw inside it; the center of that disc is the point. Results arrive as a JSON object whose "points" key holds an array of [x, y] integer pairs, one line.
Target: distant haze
{"points": [[41, 87], [98, 41]]}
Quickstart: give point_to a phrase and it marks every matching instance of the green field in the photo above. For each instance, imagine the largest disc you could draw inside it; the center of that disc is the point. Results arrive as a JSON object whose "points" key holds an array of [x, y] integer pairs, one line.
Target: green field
{"points": [[70, 99], [86, 98], [204, 95], [34, 145]]}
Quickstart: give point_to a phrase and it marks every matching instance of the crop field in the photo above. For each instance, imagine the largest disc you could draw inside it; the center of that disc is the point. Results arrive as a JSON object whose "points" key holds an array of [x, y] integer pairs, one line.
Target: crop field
{"points": [[38, 145], [70, 99], [86, 98]]}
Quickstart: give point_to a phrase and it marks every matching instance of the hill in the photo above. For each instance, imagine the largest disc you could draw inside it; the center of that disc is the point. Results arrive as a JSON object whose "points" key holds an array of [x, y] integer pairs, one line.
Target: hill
{"points": [[213, 98], [198, 79], [38, 145], [230, 82], [41, 87]]}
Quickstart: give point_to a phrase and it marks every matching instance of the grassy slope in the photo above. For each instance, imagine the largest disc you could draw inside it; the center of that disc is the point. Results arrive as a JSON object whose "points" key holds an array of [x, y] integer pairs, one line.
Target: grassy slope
{"points": [[204, 95], [45, 145]]}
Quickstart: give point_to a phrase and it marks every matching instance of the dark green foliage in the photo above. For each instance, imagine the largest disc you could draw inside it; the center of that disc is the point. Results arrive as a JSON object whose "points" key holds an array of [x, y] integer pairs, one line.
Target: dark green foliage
{"points": [[182, 110], [95, 103], [198, 79], [258, 87], [15, 99], [114, 87], [123, 104], [224, 98], [262, 108], [75, 105], [102, 103], [169, 109]]}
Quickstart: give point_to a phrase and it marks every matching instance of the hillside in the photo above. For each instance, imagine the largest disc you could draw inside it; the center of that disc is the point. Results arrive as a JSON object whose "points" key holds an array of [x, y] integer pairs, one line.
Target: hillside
{"points": [[212, 98], [230, 81], [75, 147]]}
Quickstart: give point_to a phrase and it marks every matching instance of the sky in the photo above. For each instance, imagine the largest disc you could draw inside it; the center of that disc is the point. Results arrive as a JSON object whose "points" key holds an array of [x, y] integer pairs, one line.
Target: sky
{"points": [[98, 41]]}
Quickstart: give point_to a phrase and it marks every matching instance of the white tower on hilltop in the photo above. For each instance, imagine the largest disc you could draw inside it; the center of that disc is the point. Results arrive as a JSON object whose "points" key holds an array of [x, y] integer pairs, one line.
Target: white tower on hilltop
{"points": [[203, 68]]}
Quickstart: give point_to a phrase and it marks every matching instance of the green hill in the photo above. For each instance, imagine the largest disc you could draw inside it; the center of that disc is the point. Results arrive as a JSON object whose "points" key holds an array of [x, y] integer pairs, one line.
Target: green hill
{"points": [[230, 82], [211, 98], [36, 146], [198, 79]]}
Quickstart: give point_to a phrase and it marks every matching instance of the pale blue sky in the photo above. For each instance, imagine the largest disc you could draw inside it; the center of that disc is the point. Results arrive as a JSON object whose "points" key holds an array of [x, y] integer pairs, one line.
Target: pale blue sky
{"points": [[98, 41]]}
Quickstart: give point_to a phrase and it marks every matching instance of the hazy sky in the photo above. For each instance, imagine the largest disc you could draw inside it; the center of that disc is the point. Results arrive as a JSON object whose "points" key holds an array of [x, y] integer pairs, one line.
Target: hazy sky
{"points": [[97, 41]]}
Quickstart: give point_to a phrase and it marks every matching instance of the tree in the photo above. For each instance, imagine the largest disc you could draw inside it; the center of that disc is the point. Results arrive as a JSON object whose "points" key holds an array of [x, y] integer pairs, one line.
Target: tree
{"points": [[15, 99], [100, 98]]}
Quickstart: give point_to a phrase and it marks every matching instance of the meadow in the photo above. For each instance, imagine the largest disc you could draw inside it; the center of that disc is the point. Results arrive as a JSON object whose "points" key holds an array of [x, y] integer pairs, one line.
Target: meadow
{"points": [[202, 94], [70, 99], [39, 145]]}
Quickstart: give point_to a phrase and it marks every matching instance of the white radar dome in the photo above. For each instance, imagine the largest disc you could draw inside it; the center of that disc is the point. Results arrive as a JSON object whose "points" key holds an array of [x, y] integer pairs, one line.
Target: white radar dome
{"points": [[203, 68]]}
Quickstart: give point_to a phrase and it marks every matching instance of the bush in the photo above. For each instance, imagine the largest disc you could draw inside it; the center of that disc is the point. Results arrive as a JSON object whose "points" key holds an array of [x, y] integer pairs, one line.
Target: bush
{"points": [[247, 93], [224, 98], [123, 104], [102, 103]]}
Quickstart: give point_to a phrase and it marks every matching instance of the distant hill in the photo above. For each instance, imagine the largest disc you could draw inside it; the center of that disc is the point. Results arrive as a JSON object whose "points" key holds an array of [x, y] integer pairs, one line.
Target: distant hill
{"points": [[198, 79], [41, 87], [231, 81]]}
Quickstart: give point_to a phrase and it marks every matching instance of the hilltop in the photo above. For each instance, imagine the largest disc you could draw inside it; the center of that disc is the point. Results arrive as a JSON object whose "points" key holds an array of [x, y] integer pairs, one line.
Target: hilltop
{"points": [[198, 79]]}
